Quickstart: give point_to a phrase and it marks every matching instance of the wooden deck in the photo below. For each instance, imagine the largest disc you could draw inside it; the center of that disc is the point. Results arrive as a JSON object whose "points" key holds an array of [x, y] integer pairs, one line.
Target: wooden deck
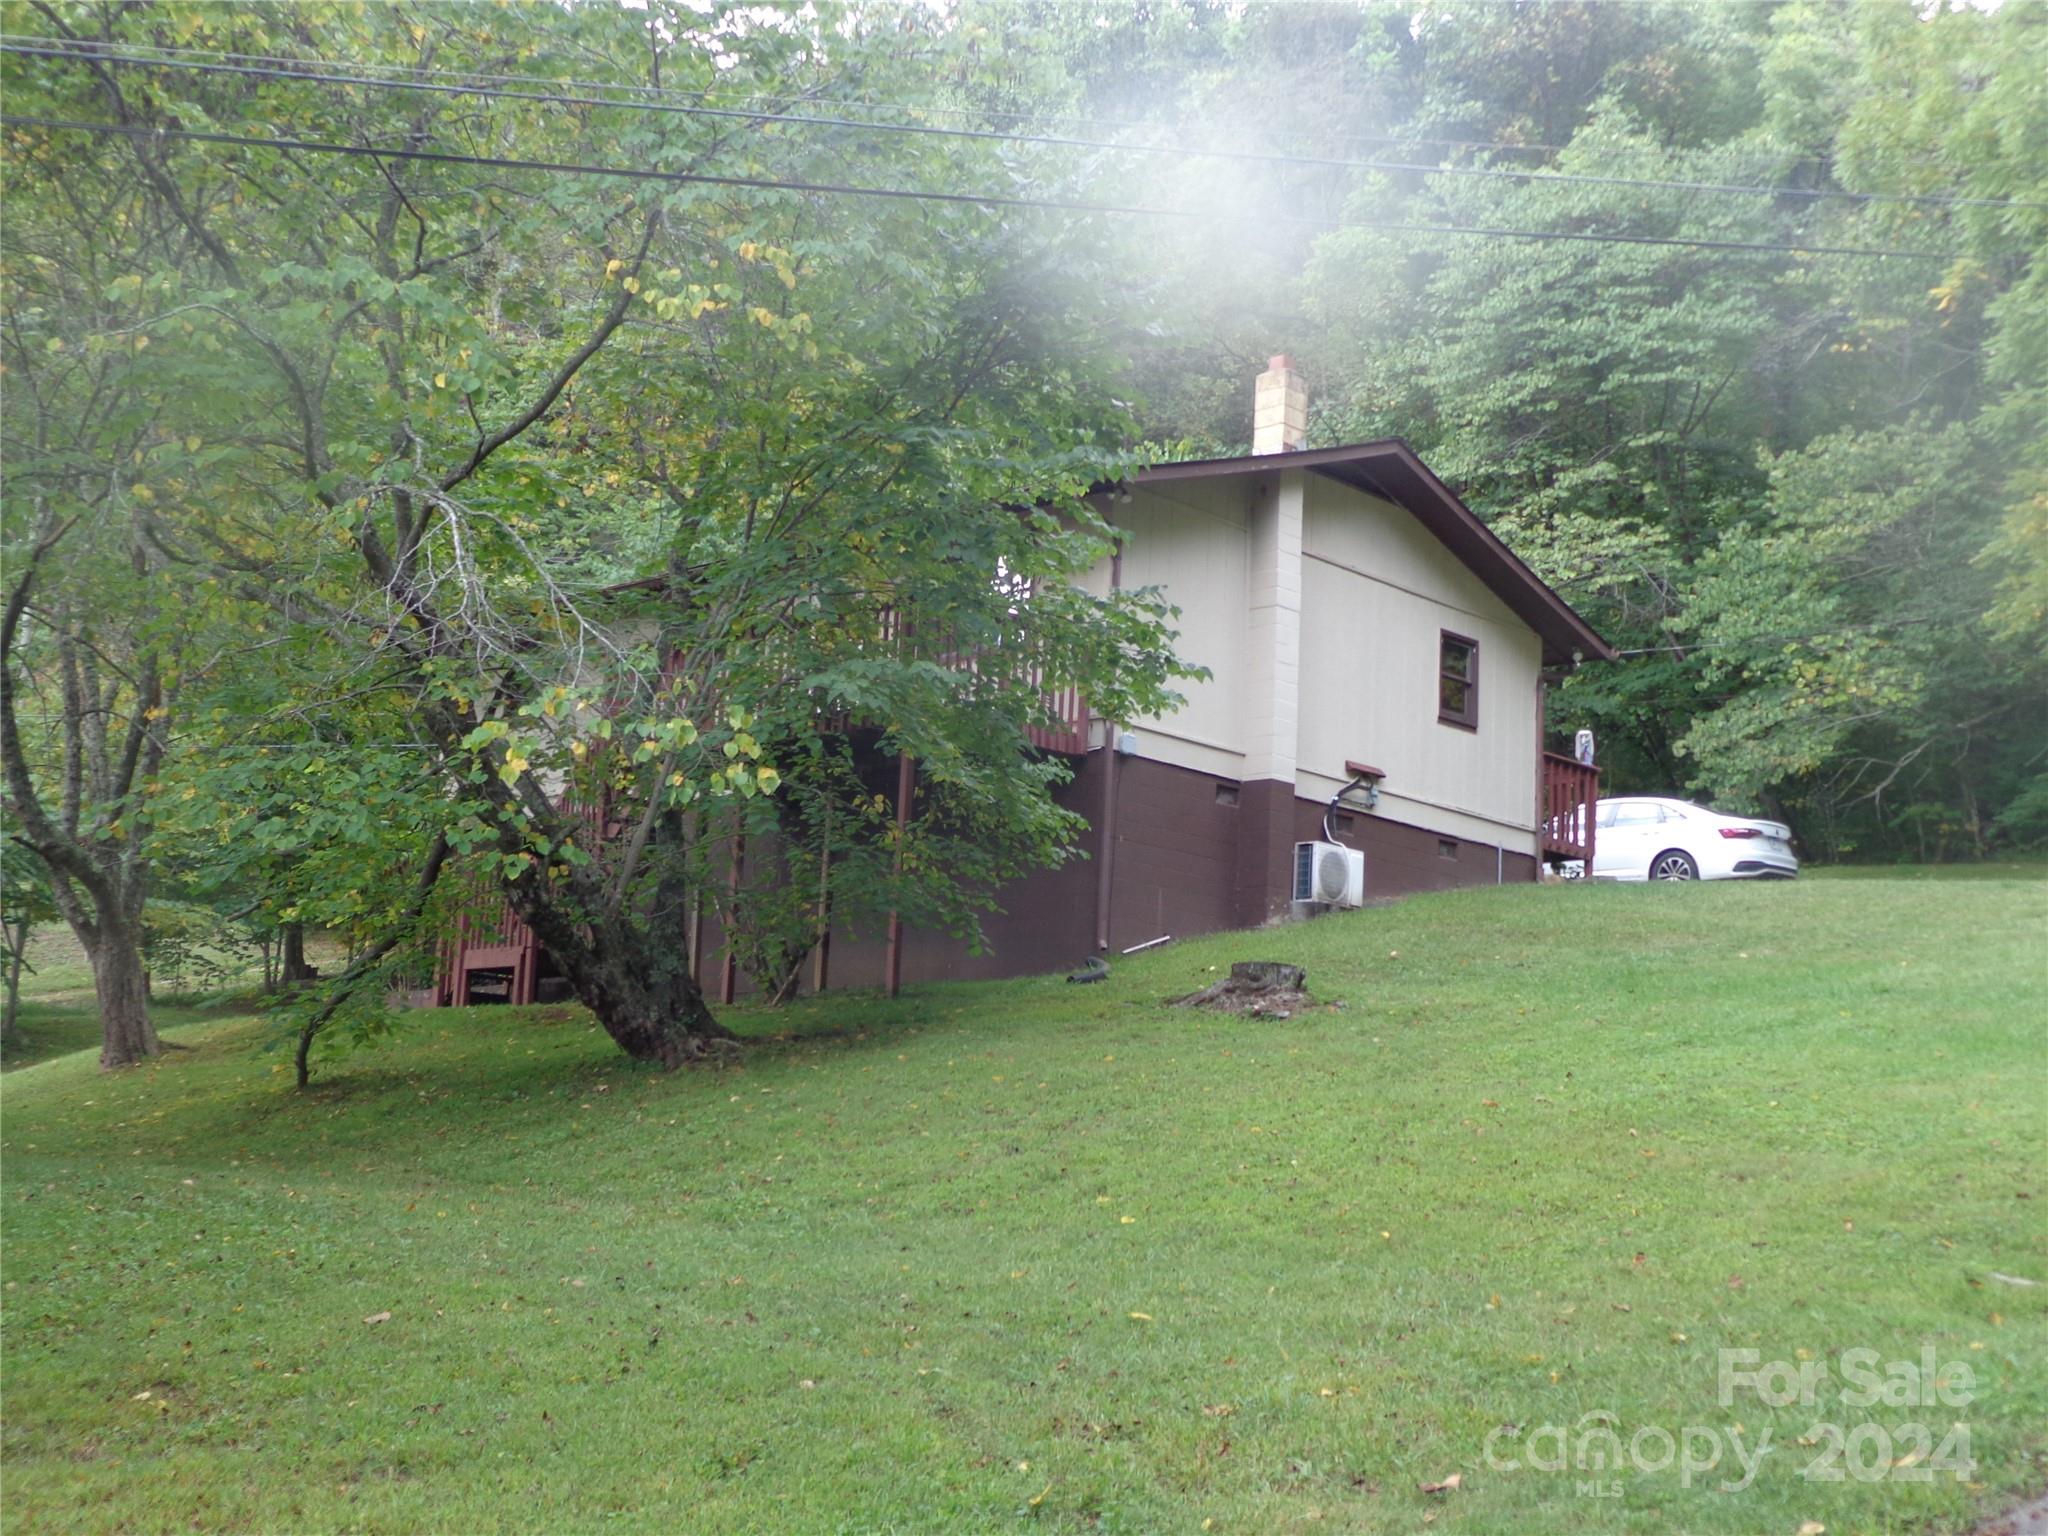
{"points": [[492, 956], [1570, 793]]}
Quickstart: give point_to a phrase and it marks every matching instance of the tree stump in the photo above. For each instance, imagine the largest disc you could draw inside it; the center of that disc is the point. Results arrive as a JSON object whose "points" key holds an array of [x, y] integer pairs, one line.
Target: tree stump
{"points": [[1264, 988], [1269, 974]]}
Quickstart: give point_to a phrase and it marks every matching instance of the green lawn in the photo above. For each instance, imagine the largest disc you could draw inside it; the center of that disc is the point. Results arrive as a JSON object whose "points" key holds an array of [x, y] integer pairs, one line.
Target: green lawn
{"points": [[1003, 1256]]}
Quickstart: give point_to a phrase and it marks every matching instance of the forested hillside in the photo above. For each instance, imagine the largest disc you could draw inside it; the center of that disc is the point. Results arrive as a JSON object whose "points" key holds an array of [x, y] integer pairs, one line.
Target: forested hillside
{"points": [[1803, 485]]}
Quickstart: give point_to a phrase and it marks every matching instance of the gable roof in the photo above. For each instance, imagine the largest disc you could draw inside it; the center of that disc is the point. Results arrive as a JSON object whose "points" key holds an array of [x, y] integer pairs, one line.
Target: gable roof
{"points": [[1391, 471]]}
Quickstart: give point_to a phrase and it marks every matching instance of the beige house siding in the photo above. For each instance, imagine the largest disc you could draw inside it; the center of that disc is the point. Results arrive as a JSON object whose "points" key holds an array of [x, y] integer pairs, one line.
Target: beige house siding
{"points": [[1378, 590], [1371, 589], [1194, 542]]}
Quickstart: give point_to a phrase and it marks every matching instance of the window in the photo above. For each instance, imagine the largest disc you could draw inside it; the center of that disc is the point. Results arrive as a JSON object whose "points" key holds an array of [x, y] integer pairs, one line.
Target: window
{"points": [[1226, 794], [1457, 681], [1446, 848], [1635, 813]]}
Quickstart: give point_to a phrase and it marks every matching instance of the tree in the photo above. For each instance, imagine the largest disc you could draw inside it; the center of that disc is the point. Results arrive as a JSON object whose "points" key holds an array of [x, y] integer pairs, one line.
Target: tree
{"points": [[1640, 421], [83, 644], [25, 906], [595, 475]]}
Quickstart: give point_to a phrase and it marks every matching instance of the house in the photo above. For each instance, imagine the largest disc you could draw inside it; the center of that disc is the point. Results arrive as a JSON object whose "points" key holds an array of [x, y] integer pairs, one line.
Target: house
{"points": [[1377, 660]]}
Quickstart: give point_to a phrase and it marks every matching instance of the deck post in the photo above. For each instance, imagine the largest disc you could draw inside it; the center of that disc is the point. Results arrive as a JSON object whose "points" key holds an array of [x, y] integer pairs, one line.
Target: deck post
{"points": [[1105, 853], [892, 962], [1105, 834], [693, 936], [821, 958], [526, 970], [1592, 798], [1542, 774], [729, 967], [461, 988]]}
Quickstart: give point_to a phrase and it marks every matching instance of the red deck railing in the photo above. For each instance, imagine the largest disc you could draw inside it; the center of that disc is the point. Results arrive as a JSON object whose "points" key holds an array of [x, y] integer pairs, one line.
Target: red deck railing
{"points": [[1068, 734], [489, 939], [1571, 792]]}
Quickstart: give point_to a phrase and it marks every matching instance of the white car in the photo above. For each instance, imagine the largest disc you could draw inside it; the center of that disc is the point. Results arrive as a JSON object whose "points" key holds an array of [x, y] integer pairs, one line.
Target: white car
{"points": [[1644, 838]]}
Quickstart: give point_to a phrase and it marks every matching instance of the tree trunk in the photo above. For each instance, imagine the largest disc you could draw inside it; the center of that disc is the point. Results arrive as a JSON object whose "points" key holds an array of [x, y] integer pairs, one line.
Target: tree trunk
{"points": [[671, 1026], [122, 985], [17, 954], [296, 972], [632, 972], [650, 1005]]}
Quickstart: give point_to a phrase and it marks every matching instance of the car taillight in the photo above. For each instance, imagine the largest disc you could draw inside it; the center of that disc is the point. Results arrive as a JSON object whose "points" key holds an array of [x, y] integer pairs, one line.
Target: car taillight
{"points": [[1740, 832]]}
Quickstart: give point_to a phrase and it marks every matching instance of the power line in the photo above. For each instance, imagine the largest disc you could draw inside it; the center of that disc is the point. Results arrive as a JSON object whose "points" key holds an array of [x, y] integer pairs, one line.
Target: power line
{"points": [[94, 45], [298, 70], [975, 199], [1489, 145], [325, 76]]}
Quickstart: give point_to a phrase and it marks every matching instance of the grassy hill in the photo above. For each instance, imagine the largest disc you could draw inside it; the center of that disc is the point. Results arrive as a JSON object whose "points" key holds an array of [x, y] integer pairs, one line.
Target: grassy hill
{"points": [[1023, 1254]]}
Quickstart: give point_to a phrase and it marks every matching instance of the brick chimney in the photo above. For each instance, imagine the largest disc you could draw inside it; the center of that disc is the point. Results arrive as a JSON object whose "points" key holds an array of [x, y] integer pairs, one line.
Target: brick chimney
{"points": [[1279, 408]]}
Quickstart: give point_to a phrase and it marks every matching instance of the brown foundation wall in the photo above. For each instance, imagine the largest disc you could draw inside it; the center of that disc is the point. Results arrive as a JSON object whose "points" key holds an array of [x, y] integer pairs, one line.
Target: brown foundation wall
{"points": [[1193, 854], [1401, 860]]}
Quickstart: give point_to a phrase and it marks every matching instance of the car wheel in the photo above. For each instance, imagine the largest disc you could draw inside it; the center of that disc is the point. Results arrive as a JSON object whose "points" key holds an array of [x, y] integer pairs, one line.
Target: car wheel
{"points": [[1674, 864]]}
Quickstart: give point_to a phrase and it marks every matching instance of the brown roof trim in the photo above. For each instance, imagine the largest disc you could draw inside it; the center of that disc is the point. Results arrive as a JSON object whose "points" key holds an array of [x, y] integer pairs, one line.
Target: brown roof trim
{"points": [[1391, 470]]}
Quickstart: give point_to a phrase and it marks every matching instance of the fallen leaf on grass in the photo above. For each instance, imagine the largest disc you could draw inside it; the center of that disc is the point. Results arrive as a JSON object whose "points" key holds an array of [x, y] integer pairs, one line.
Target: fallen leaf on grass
{"points": [[1812, 1528], [1141, 1317], [1455, 1480], [1219, 1410], [378, 1317]]}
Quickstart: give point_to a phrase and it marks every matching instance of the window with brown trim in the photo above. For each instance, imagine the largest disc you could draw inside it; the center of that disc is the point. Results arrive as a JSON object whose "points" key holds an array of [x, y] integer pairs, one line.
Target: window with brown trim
{"points": [[1457, 680]]}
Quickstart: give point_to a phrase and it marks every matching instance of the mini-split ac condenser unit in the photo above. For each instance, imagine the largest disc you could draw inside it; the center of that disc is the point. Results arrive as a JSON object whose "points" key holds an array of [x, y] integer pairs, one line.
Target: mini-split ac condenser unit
{"points": [[1329, 874]]}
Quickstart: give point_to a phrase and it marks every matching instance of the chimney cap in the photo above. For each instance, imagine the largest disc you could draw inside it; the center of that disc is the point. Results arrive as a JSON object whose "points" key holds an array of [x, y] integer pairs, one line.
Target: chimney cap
{"points": [[1280, 363]]}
